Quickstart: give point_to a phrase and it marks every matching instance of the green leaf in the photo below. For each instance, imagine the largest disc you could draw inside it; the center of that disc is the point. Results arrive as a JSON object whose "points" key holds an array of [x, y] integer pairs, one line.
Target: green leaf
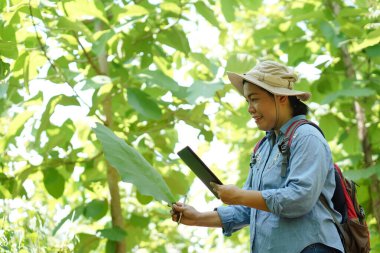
{"points": [[87, 243], [45, 118], [96, 209], [8, 49], [240, 63], [15, 127], [71, 25], [139, 221], [372, 39], [228, 9], [253, 5], [296, 53], [113, 234], [4, 71], [143, 104], [133, 11], [373, 51], [174, 38], [101, 40], [59, 136], [356, 175], [328, 123], [353, 92], [82, 10], [177, 182], [54, 182], [201, 89], [143, 199], [96, 82], [207, 13], [170, 7], [132, 166], [111, 246], [157, 77]]}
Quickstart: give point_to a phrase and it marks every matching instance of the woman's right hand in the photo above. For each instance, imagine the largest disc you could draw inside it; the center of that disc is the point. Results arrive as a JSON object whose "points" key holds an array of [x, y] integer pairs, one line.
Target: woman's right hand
{"points": [[189, 214]]}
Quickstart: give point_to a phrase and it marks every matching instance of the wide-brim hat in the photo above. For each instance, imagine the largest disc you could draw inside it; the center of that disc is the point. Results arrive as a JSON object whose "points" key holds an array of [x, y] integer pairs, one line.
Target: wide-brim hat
{"points": [[274, 77]]}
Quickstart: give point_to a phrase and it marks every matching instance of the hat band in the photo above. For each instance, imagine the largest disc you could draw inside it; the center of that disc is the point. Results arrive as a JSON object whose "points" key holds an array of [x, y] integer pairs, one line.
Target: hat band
{"points": [[272, 80]]}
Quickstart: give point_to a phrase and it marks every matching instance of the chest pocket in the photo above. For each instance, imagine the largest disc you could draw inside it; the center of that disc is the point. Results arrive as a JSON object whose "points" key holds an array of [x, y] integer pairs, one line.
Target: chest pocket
{"points": [[272, 174]]}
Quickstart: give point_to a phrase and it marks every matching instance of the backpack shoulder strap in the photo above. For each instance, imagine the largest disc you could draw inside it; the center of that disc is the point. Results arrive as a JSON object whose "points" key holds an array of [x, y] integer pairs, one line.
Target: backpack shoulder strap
{"points": [[284, 146], [257, 146]]}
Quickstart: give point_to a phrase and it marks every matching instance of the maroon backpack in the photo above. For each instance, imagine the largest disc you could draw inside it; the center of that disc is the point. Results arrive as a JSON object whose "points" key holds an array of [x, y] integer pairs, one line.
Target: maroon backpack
{"points": [[353, 229]]}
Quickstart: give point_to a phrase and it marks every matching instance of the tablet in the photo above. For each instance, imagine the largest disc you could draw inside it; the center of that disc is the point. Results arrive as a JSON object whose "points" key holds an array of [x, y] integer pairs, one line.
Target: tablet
{"points": [[199, 168]]}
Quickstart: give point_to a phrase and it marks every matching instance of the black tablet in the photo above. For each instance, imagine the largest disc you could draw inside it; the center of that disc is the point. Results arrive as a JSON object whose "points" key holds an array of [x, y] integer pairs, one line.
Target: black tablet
{"points": [[199, 168]]}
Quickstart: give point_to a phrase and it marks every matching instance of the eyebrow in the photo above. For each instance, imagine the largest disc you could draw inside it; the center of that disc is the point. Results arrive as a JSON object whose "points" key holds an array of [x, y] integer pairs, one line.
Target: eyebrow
{"points": [[251, 94]]}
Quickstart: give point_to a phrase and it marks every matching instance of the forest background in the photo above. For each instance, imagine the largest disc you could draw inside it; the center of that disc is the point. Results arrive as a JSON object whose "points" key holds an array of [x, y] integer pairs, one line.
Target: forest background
{"points": [[153, 71]]}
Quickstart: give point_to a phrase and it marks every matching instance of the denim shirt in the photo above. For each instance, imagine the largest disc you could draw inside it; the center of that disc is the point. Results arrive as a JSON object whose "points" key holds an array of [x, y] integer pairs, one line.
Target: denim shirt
{"points": [[297, 218]]}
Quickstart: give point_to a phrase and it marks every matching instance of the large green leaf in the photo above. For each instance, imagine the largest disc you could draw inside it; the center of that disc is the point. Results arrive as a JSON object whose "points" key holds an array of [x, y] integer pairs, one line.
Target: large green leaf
{"points": [[143, 104], [132, 166]]}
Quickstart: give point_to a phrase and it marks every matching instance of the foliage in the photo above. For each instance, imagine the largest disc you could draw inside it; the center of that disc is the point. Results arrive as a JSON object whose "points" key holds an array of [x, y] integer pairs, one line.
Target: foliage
{"points": [[132, 167], [136, 67]]}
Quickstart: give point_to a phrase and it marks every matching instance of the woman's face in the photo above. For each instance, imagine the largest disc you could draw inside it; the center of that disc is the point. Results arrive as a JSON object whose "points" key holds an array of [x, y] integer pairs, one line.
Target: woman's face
{"points": [[261, 106]]}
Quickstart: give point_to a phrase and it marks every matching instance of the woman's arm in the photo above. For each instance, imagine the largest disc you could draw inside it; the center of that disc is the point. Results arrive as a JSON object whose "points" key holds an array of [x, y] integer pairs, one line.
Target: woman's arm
{"points": [[233, 195], [192, 217]]}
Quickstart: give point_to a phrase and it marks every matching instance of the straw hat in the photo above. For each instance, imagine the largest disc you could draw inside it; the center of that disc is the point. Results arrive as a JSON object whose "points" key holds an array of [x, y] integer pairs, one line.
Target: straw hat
{"points": [[274, 77]]}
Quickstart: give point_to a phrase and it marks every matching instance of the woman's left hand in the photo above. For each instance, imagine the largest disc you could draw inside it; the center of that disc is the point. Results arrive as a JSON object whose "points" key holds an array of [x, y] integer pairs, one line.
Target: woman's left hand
{"points": [[228, 194]]}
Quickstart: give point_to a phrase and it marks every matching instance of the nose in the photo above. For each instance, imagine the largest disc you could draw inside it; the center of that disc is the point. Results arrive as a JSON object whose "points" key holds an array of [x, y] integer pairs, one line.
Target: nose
{"points": [[251, 108]]}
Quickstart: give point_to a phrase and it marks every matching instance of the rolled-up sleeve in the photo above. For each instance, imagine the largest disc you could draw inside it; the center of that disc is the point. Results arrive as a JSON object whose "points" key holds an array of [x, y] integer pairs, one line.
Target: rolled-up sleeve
{"points": [[308, 166], [233, 218]]}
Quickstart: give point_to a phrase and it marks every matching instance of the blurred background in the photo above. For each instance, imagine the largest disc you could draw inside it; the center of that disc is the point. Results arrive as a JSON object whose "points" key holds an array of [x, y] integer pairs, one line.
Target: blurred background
{"points": [[154, 72]]}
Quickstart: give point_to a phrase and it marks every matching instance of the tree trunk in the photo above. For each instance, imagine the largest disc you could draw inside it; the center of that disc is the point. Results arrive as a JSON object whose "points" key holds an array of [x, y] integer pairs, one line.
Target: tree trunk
{"points": [[362, 130], [113, 177]]}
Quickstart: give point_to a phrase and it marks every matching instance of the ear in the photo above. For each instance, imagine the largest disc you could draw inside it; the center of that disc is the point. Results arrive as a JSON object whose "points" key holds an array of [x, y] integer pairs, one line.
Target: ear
{"points": [[283, 99]]}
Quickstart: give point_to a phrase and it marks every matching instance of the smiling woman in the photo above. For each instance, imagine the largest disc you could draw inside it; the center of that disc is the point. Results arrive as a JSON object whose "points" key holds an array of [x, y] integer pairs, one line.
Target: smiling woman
{"points": [[146, 69], [277, 200]]}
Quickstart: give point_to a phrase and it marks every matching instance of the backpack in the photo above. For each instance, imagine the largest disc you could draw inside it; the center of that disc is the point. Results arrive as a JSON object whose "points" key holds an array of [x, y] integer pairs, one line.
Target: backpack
{"points": [[353, 229]]}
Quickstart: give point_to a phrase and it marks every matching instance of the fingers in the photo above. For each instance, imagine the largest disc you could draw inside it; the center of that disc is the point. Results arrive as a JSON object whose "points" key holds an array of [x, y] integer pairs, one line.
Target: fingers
{"points": [[215, 186], [178, 207]]}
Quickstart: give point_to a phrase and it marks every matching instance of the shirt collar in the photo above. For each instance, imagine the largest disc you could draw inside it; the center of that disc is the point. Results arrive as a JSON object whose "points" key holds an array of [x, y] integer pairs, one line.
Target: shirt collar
{"points": [[270, 134], [287, 124]]}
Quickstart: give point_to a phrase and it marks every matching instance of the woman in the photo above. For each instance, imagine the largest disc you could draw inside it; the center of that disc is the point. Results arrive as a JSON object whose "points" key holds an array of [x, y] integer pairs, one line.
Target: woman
{"points": [[282, 209]]}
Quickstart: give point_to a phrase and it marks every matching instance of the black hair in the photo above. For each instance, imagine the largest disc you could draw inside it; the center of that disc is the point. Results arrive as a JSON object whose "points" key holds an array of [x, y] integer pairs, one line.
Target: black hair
{"points": [[299, 108]]}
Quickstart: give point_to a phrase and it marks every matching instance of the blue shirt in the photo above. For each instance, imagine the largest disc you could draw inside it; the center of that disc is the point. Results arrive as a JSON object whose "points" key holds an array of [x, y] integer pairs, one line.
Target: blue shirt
{"points": [[297, 218]]}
